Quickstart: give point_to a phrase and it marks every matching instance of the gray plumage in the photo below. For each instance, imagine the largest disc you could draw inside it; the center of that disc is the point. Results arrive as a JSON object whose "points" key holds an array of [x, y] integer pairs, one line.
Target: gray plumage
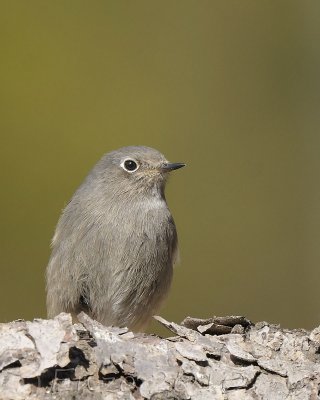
{"points": [[116, 242]]}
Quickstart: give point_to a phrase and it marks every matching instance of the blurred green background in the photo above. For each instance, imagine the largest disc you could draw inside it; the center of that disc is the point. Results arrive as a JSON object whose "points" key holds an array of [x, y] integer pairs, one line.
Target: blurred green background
{"points": [[232, 88]]}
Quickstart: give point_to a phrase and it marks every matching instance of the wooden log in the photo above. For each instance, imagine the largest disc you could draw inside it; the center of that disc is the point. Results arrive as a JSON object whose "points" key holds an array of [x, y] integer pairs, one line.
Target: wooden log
{"points": [[219, 358]]}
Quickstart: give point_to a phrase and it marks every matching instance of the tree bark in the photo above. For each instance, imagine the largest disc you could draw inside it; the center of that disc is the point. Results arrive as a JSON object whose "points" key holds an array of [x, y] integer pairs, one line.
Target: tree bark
{"points": [[217, 359]]}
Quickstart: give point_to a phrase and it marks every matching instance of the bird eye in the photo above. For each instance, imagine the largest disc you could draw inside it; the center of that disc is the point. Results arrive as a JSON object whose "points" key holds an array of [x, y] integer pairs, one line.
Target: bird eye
{"points": [[129, 165]]}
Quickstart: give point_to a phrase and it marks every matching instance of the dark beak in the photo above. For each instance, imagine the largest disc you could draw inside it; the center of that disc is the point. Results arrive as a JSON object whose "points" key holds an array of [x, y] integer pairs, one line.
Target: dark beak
{"points": [[172, 166]]}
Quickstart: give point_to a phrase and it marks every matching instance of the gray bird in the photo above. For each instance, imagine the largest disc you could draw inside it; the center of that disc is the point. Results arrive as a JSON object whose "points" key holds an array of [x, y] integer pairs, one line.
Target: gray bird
{"points": [[116, 242]]}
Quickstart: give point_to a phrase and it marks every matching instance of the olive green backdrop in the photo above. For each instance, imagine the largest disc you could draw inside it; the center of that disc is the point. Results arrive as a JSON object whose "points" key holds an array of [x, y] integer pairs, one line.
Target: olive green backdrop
{"points": [[230, 87]]}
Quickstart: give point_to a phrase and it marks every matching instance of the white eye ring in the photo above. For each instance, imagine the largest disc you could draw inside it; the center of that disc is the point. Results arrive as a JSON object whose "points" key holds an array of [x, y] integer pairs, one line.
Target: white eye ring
{"points": [[129, 165]]}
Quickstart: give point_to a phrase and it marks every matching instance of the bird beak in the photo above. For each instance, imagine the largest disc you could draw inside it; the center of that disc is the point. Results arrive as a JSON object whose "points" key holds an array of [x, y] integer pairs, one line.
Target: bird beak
{"points": [[167, 167]]}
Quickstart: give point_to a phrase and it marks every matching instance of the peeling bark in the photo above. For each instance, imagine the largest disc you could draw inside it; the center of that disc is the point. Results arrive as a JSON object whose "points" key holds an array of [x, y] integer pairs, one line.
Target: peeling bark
{"points": [[218, 358]]}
